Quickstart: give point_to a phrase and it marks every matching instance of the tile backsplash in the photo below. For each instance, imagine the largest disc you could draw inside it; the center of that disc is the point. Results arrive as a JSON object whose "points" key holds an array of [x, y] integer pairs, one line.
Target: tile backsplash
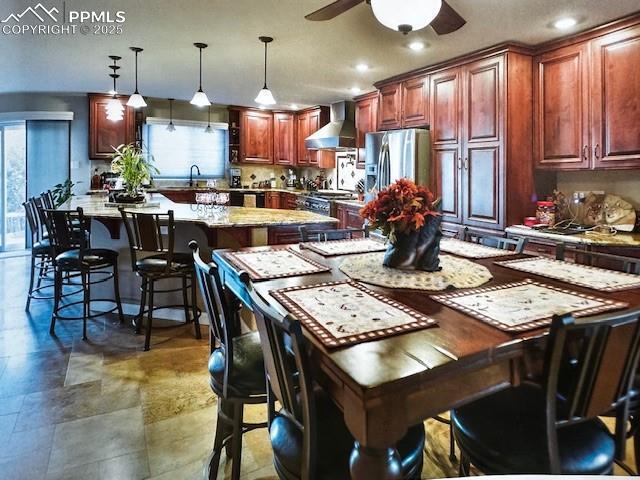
{"points": [[625, 183]]}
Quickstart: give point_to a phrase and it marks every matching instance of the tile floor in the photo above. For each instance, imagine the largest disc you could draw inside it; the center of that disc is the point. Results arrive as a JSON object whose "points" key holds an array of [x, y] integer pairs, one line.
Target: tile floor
{"points": [[104, 409]]}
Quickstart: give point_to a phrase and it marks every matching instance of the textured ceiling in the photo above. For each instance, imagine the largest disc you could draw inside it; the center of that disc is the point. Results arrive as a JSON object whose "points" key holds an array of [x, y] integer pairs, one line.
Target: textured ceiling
{"points": [[310, 62]]}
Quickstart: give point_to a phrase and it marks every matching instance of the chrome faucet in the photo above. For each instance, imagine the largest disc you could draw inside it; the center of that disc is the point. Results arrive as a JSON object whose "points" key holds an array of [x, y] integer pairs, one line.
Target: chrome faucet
{"points": [[191, 174]]}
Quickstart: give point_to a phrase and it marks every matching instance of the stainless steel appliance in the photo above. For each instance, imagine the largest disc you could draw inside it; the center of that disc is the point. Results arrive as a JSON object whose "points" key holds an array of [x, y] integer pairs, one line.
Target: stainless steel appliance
{"points": [[396, 154], [321, 201], [235, 180], [340, 133]]}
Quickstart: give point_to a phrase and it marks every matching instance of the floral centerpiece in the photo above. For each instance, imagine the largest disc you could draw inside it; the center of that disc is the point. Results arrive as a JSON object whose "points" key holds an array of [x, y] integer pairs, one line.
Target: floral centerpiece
{"points": [[408, 215], [135, 168]]}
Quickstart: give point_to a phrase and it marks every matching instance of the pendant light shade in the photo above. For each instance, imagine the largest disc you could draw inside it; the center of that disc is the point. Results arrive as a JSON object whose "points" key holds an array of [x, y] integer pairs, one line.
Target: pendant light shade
{"points": [[114, 107], [265, 97], [209, 129], [200, 98], [407, 15], [136, 100], [171, 127]]}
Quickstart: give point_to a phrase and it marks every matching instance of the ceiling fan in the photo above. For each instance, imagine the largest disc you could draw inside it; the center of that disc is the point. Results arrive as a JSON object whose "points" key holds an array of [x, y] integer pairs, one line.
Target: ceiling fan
{"points": [[404, 16]]}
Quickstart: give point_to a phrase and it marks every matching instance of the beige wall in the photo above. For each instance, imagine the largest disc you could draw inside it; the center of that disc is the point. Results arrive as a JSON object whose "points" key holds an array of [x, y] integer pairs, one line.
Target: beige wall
{"points": [[625, 183]]}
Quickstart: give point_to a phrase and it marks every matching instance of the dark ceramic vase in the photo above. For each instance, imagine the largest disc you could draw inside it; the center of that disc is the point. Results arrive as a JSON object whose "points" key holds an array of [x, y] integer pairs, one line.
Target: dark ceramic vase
{"points": [[418, 250]]}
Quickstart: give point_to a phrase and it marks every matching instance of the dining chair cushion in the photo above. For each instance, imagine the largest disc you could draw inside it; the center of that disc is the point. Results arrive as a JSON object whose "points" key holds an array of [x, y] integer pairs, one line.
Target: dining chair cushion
{"points": [[247, 375], [505, 433], [93, 258], [41, 247], [335, 444], [156, 264]]}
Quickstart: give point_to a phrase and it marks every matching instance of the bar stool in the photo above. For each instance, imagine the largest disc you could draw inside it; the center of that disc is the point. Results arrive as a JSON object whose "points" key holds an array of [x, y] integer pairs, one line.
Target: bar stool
{"points": [[40, 254], [72, 257], [146, 233]]}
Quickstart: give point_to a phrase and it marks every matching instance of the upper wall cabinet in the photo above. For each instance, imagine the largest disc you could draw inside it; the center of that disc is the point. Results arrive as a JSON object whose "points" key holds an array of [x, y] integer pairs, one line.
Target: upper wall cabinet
{"points": [[308, 122], [404, 104], [284, 141], [256, 138], [105, 135], [587, 104], [366, 122]]}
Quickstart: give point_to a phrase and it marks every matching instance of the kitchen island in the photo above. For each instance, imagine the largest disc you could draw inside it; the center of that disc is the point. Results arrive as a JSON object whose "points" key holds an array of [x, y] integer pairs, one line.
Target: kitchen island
{"points": [[231, 227]]}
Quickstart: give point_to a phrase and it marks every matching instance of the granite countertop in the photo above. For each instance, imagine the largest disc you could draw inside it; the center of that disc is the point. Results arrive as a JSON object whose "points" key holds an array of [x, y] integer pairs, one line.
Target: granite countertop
{"points": [[94, 206], [351, 203], [229, 189], [618, 240]]}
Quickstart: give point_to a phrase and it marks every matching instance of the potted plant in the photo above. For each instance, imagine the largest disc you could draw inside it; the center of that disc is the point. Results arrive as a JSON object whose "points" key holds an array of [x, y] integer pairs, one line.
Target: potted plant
{"points": [[135, 167], [409, 217]]}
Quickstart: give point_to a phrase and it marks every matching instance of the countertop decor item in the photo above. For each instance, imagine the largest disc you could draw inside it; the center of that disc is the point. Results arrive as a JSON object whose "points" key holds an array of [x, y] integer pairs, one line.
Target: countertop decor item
{"points": [[525, 305], [455, 273], [408, 216], [344, 313], [135, 167]]}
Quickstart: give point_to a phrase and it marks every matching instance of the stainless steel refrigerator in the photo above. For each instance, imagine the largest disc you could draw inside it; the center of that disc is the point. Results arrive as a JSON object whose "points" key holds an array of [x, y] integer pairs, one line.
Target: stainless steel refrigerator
{"points": [[396, 154]]}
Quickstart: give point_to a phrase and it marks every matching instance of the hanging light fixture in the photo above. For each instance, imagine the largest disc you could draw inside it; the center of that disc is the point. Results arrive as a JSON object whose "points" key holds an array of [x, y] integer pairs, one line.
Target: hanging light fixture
{"points": [[200, 98], [114, 107], [136, 100], [209, 129], [265, 97], [406, 16], [171, 127]]}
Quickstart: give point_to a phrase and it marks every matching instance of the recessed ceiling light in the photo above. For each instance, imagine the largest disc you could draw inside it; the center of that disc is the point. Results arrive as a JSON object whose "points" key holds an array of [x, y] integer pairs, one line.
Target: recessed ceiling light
{"points": [[565, 23], [355, 90], [416, 46], [362, 67], [294, 106]]}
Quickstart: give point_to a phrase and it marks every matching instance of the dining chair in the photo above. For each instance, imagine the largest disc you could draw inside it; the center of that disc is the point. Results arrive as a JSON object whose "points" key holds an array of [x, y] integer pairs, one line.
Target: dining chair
{"points": [[153, 258], [307, 235], [481, 237], [236, 365], [308, 435], [553, 427], [72, 256], [605, 260]]}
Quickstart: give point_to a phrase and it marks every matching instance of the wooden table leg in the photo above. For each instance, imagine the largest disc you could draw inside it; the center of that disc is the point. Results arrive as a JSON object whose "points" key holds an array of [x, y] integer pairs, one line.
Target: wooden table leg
{"points": [[368, 463]]}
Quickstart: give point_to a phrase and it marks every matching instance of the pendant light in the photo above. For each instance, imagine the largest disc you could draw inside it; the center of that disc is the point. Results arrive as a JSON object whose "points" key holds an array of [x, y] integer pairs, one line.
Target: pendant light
{"points": [[407, 15], [200, 98], [171, 127], [114, 107], [209, 129], [265, 97], [136, 100]]}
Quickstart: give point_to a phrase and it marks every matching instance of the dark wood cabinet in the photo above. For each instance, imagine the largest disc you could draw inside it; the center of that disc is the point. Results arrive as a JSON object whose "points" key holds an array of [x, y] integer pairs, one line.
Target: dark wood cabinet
{"points": [[390, 107], [587, 101], [366, 122], [315, 123], [308, 122], [561, 139], [284, 140], [415, 102], [272, 200], [447, 163], [349, 215], [615, 97], [302, 122], [445, 107], [256, 138], [104, 134]]}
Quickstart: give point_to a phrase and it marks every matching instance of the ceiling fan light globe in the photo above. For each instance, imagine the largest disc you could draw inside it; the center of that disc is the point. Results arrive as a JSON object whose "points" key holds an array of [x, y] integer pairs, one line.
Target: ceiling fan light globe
{"points": [[136, 101], [406, 15], [265, 97], [200, 99]]}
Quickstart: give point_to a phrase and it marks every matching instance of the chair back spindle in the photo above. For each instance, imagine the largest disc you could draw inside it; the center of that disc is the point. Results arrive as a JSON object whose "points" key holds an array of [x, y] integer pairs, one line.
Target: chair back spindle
{"points": [[146, 234], [307, 235]]}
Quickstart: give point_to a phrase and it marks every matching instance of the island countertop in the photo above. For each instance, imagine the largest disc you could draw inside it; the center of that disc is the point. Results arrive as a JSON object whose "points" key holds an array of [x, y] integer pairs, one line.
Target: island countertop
{"points": [[94, 206], [595, 239]]}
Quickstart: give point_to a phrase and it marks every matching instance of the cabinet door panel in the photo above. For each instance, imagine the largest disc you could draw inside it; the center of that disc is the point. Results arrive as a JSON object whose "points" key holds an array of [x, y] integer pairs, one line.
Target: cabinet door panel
{"points": [[415, 102], [284, 148], [303, 132], [482, 99], [366, 118], [314, 126], [389, 107], [257, 133], [483, 186], [448, 167], [445, 107], [105, 135], [561, 109], [616, 100]]}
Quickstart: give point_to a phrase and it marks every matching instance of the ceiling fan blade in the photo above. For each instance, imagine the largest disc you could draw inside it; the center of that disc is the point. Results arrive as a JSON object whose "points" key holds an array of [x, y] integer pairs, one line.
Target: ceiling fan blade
{"points": [[332, 10], [448, 20]]}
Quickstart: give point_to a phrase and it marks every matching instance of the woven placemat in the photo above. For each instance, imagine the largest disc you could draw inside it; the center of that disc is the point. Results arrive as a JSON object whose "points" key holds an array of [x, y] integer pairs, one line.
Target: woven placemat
{"points": [[456, 273], [471, 250], [274, 263], [345, 313], [345, 247]]}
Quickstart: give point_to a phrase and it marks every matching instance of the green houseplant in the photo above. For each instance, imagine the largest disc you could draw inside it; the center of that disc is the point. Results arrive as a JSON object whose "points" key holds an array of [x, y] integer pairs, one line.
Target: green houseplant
{"points": [[135, 167], [63, 192]]}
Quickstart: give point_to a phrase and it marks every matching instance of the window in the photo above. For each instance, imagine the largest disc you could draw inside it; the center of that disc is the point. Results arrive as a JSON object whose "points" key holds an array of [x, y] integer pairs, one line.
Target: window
{"points": [[175, 152]]}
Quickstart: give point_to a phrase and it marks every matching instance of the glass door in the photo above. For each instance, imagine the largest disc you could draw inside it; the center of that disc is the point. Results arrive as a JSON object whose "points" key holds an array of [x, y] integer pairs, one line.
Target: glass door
{"points": [[13, 186]]}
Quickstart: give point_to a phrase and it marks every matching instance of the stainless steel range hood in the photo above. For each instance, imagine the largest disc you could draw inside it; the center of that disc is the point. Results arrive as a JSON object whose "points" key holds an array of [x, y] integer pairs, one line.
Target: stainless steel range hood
{"points": [[339, 133]]}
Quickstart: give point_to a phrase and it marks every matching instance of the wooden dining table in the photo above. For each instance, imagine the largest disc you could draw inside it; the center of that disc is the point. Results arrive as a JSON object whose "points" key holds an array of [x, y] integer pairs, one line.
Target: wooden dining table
{"points": [[385, 386]]}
